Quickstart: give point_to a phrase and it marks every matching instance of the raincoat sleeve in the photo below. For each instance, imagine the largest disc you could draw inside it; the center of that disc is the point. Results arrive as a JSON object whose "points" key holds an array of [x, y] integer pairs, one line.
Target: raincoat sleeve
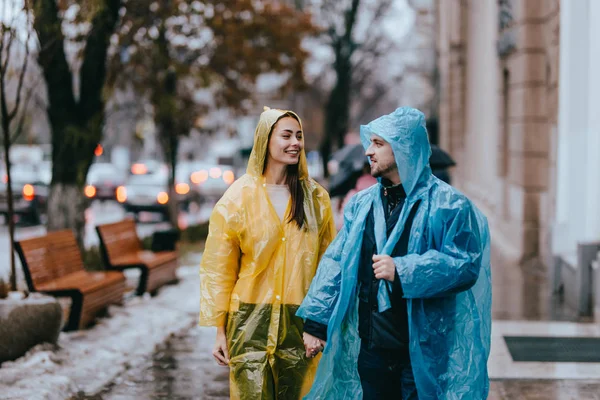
{"points": [[451, 269], [324, 290], [219, 268]]}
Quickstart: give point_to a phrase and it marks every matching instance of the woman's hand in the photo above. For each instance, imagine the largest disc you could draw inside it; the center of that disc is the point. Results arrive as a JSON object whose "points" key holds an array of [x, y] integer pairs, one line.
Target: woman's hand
{"points": [[313, 345], [220, 352]]}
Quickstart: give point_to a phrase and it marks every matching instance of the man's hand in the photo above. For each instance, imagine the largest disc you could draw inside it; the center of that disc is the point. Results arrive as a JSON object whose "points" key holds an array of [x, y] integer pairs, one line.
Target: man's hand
{"points": [[313, 345], [384, 267], [220, 351]]}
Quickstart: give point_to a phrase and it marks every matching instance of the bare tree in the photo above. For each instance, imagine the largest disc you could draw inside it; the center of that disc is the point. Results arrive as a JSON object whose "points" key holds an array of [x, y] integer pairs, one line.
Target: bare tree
{"points": [[355, 57], [171, 49], [14, 59]]}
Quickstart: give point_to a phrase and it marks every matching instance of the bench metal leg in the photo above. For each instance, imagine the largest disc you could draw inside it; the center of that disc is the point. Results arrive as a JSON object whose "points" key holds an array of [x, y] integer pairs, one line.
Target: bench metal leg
{"points": [[75, 312], [143, 283]]}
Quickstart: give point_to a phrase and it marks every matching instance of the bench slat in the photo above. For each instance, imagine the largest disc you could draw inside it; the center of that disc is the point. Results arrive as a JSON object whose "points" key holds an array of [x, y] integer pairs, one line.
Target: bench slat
{"points": [[51, 256], [119, 238]]}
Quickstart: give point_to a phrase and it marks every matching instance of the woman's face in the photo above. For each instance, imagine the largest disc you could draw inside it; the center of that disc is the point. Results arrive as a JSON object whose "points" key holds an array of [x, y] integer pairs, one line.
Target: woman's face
{"points": [[286, 142]]}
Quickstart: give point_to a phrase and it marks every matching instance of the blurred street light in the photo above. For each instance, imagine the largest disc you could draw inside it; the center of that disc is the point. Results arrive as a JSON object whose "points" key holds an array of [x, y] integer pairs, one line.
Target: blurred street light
{"points": [[162, 198]]}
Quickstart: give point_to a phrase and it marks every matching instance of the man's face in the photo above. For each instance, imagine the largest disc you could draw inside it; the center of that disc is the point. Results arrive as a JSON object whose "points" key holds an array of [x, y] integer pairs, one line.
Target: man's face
{"points": [[383, 163]]}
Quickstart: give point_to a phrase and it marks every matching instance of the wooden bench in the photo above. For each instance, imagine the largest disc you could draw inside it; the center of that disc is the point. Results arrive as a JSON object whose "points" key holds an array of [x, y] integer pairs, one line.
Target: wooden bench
{"points": [[53, 265], [122, 249]]}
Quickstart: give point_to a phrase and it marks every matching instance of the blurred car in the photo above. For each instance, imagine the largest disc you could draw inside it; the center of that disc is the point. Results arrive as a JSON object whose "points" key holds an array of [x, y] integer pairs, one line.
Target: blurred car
{"points": [[102, 181], [30, 188], [147, 189], [212, 180]]}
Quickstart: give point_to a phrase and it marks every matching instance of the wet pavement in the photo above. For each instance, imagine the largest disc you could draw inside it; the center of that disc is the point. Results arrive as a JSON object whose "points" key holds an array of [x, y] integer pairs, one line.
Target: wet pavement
{"points": [[544, 390], [183, 368]]}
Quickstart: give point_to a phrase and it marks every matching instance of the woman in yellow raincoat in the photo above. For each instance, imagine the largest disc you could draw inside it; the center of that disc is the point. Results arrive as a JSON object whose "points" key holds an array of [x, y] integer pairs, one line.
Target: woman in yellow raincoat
{"points": [[266, 237]]}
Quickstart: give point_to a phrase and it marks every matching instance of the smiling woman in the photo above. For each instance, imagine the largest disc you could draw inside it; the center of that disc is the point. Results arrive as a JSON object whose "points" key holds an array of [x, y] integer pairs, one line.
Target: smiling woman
{"points": [[266, 237]]}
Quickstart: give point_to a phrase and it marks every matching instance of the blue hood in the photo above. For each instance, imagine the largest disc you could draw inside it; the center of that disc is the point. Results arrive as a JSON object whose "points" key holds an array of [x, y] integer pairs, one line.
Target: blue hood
{"points": [[405, 131]]}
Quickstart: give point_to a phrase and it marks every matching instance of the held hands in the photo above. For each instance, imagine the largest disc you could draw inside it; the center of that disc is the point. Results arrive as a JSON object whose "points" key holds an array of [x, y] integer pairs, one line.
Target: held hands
{"points": [[313, 345], [384, 267], [220, 351]]}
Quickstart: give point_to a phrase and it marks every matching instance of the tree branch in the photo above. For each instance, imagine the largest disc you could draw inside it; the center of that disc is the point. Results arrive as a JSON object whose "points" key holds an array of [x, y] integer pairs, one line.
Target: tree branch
{"points": [[21, 76], [372, 101], [52, 59], [350, 19], [382, 8], [93, 67], [21, 122], [11, 36], [3, 106]]}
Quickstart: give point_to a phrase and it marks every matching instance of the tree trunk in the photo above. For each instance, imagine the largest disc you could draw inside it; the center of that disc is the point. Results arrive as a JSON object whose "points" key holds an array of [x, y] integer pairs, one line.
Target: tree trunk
{"points": [[337, 111], [6, 118], [173, 201], [325, 150], [76, 125], [66, 209], [169, 143], [164, 99], [9, 200]]}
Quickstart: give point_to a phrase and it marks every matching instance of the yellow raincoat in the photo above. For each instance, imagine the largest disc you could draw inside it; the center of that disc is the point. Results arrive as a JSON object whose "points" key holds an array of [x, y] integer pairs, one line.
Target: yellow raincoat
{"points": [[254, 274]]}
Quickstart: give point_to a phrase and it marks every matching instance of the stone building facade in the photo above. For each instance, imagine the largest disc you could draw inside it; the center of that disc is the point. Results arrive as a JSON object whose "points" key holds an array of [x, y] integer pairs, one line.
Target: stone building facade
{"points": [[498, 64]]}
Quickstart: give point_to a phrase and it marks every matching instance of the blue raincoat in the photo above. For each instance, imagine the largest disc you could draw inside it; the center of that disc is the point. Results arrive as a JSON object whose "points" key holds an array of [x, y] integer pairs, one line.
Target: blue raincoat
{"points": [[445, 278]]}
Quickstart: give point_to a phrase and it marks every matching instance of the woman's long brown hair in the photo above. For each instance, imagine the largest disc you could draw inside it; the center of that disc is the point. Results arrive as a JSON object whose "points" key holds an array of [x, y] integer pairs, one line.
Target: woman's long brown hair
{"points": [[293, 182]]}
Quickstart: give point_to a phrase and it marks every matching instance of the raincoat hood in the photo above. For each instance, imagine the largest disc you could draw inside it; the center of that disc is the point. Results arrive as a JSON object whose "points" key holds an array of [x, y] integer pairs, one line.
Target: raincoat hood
{"points": [[267, 120], [405, 131]]}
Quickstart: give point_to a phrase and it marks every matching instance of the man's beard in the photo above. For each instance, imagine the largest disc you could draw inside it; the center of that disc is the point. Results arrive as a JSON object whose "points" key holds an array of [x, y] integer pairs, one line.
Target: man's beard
{"points": [[383, 169]]}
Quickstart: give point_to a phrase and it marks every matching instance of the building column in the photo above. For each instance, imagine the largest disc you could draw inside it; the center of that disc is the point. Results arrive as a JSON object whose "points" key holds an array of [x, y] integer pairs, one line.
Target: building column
{"points": [[578, 187]]}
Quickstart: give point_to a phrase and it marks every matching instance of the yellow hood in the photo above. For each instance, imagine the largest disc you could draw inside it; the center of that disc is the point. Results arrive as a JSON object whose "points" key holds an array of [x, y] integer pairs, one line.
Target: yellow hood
{"points": [[268, 118]]}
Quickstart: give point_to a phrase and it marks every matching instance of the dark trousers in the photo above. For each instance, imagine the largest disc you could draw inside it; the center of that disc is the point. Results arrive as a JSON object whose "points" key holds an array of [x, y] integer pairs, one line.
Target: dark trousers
{"points": [[385, 376]]}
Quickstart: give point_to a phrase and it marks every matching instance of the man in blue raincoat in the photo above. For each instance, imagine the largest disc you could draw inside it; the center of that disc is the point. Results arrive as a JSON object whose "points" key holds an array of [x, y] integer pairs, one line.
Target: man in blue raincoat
{"points": [[402, 297]]}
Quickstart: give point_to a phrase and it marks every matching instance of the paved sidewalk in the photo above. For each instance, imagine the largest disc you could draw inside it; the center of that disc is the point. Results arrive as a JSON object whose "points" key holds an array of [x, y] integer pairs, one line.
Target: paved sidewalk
{"points": [[183, 368], [88, 360], [152, 349]]}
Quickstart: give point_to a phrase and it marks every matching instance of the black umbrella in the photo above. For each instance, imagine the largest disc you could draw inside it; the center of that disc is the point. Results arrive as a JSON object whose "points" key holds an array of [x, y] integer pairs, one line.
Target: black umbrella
{"points": [[440, 159], [351, 161]]}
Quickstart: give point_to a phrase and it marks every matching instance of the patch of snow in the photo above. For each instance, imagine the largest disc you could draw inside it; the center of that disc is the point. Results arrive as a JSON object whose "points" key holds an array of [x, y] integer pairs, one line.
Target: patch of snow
{"points": [[86, 361]]}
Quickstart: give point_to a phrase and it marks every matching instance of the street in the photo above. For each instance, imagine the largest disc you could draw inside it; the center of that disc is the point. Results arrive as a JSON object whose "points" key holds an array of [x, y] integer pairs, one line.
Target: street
{"points": [[99, 213]]}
